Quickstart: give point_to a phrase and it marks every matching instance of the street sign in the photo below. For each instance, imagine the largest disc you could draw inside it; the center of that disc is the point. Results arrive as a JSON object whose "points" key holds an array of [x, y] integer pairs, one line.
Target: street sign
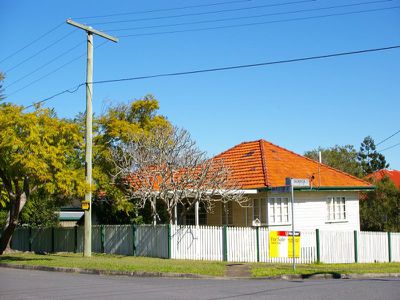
{"points": [[298, 182], [280, 189]]}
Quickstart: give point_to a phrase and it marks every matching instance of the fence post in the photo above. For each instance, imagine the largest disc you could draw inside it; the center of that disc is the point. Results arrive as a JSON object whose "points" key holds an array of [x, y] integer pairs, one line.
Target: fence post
{"points": [[102, 238], [390, 246], [30, 239], [53, 239], [75, 238], [258, 243], [169, 241], [355, 247], [225, 243], [318, 245], [133, 239]]}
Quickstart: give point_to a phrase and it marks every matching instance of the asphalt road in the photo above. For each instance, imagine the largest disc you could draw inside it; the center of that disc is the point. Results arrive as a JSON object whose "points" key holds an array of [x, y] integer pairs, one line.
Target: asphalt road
{"points": [[26, 284]]}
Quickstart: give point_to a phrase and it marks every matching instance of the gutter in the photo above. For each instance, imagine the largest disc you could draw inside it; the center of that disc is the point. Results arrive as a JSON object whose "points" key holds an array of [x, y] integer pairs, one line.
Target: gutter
{"points": [[327, 188]]}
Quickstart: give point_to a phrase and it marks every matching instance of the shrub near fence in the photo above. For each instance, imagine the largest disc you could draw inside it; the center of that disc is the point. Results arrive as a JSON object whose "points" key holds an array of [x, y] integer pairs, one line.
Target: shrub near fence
{"points": [[221, 243]]}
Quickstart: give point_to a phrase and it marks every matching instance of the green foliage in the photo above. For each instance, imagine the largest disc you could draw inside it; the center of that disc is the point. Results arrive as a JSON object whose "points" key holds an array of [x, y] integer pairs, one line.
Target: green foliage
{"points": [[380, 209], [40, 148], [3, 218], [40, 210], [370, 159], [122, 122], [343, 158]]}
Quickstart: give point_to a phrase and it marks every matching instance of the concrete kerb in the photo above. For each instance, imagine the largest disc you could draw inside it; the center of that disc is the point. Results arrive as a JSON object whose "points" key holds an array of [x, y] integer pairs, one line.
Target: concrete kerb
{"points": [[196, 276]]}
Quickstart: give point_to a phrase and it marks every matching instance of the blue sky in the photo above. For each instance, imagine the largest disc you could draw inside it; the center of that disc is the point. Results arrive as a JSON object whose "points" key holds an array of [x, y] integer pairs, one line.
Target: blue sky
{"points": [[299, 106]]}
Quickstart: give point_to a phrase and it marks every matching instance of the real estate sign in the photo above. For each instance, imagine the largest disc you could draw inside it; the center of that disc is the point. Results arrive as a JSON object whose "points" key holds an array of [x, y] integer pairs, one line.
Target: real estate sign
{"points": [[281, 244]]}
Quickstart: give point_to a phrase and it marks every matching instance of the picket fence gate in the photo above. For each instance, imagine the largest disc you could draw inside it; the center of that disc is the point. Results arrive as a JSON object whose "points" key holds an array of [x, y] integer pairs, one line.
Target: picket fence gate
{"points": [[218, 243]]}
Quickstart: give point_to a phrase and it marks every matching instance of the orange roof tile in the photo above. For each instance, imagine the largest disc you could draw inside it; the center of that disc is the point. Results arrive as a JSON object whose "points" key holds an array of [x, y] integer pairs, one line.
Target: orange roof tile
{"points": [[394, 176], [259, 164]]}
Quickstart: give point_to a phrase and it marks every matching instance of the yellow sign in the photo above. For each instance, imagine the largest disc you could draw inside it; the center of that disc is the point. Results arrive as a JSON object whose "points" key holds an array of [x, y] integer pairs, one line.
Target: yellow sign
{"points": [[85, 205], [281, 244]]}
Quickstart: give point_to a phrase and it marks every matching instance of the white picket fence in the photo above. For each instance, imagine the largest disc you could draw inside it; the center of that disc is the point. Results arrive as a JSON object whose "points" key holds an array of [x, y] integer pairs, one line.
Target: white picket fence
{"points": [[233, 244]]}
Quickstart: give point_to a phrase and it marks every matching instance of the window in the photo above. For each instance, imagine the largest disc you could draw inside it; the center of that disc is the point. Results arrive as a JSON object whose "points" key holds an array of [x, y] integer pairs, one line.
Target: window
{"points": [[227, 213], [336, 208], [278, 210]]}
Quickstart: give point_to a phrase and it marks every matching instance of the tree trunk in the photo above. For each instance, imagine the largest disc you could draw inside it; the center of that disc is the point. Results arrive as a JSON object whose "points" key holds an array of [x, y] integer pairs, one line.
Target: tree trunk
{"points": [[15, 208]]}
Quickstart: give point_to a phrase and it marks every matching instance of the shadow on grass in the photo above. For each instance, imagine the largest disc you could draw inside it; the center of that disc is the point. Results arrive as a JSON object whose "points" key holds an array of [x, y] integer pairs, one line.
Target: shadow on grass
{"points": [[8, 258]]}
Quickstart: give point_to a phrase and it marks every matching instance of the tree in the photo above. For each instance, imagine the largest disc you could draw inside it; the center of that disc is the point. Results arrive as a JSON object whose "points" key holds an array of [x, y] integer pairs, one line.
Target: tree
{"points": [[343, 158], [380, 209], [166, 166], [1, 86], [38, 151], [370, 159], [120, 123]]}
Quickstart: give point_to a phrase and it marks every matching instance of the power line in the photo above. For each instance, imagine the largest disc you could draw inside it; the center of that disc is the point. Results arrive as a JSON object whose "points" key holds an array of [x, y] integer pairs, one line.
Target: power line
{"points": [[53, 71], [163, 9], [259, 23], [391, 147], [44, 65], [34, 41], [71, 91], [252, 16], [205, 13], [389, 137], [227, 68], [40, 51]]}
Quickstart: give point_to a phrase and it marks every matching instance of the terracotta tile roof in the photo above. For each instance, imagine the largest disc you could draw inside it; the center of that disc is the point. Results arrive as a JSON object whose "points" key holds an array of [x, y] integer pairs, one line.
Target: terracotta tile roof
{"points": [[259, 164], [394, 175]]}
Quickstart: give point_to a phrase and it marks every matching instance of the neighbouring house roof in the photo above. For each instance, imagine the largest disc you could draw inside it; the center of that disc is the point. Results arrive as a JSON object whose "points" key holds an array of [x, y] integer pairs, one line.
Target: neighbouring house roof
{"points": [[261, 164], [394, 176]]}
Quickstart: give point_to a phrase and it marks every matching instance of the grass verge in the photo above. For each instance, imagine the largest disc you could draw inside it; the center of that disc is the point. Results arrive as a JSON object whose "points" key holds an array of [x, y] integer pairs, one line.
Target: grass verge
{"points": [[263, 270], [210, 268], [116, 263]]}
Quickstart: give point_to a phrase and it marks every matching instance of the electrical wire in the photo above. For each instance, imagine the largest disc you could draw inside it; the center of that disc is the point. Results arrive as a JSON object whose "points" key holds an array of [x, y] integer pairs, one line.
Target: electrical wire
{"points": [[41, 51], [391, 147], [204, 13], [250, 17], [258, 23], [162, 9], [71, 91], [227, 68], [31, 43], [389, 137], [44, 65], [53, 71]]}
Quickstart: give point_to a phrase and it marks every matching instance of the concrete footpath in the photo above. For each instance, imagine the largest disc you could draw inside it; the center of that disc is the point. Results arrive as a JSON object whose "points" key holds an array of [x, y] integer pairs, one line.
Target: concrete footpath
{"points": [[240, 273]]}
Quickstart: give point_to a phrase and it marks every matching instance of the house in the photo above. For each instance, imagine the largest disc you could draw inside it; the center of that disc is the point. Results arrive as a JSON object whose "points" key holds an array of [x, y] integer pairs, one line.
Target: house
{"points": [[393, 175], [330, 202]]}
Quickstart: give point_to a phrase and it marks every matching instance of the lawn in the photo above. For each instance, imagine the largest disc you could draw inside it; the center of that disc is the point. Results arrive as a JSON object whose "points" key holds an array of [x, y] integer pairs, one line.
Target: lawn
{"points": [[261, 270], [211, 268], [116, 262]]}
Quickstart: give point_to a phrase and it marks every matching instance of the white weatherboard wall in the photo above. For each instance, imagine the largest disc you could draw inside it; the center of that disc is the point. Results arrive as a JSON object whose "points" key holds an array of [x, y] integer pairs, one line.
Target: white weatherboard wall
{"points": [[310, 211]]}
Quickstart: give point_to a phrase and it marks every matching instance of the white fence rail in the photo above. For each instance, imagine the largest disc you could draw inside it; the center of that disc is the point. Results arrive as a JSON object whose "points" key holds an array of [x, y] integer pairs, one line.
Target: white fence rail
{"points": [[233, 244]]}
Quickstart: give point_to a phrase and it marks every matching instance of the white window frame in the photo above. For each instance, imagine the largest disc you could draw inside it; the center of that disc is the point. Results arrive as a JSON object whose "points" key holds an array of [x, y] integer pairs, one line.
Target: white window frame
{"points": [[336, 209], [278, 210]]}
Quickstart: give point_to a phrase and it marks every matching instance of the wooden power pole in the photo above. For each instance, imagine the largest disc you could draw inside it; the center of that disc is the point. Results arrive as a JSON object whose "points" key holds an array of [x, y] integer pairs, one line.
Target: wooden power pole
{"points": [[88, 152]]}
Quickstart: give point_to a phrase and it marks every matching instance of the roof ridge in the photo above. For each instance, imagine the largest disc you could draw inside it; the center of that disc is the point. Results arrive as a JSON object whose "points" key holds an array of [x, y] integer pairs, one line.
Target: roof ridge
{"points": [[322, 164], [263, 162]]}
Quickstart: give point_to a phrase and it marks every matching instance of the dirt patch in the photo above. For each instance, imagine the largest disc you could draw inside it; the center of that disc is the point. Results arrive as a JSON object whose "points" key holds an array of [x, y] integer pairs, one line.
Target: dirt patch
{"points": [[237, 270]]}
